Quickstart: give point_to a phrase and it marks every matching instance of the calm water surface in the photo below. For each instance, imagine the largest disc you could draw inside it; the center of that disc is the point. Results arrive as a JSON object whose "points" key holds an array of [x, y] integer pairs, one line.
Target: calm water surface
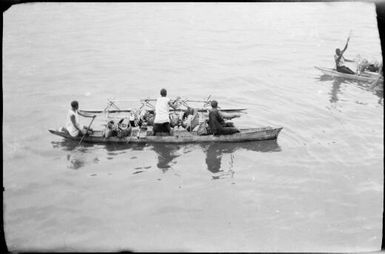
{"points": [[319, 187]]}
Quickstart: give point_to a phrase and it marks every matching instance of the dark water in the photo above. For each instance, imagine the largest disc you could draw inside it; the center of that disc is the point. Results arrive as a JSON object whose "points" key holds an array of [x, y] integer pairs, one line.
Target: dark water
{"points": [[318, 187]]}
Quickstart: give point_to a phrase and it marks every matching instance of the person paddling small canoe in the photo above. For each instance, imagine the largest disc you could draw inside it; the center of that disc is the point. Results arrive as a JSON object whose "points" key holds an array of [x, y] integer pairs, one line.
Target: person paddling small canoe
{"points": [[340, 60]]}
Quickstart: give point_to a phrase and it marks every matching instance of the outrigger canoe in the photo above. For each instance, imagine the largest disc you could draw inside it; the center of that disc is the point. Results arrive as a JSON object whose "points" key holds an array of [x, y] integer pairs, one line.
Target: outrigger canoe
{"points": [[365, 76], [178, 136]]}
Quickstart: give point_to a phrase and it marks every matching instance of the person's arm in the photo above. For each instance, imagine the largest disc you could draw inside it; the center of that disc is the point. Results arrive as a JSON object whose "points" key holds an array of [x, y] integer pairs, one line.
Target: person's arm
{"points": [[346, 46], [174, 103], [86, 115], [220, 118], [229, 115], [347, 60]]}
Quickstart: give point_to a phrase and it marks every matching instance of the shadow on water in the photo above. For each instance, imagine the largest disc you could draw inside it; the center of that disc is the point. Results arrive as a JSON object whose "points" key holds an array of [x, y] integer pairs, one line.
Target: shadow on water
{"points": [[215, 151]]}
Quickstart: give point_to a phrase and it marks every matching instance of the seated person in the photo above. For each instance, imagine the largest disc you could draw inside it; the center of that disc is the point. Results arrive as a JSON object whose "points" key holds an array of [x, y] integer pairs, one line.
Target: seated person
{"points": [[132, 119], [111, 130], [72, 125], [146, 118], [150, 119], [175, 120], [190, 119], [365, 65], [374, 67], [340, 60], [217, 125], [124, 129]]}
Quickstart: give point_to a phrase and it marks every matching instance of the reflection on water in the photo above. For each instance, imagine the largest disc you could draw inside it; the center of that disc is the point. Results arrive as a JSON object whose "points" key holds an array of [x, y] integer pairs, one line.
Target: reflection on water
{"points": [[324, 77], [376, 87], [166, 154], [335, 90], [215, 151], [70, 145], [76, 155]]}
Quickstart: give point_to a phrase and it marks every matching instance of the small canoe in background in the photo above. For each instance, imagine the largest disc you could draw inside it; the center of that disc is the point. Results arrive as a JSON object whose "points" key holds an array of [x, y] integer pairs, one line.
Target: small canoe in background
{"points": [[365, 76], [178, 136]]}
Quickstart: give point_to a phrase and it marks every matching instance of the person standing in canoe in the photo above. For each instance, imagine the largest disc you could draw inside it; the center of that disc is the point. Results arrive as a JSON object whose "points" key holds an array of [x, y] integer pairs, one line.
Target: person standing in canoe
{"points": [[72, 124], [217, 124], [162, 117], [340, 60]]}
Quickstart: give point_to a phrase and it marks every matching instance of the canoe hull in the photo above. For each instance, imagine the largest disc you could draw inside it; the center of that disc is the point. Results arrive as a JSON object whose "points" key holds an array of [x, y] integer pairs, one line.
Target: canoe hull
{"points": [[255, 134], [366, 77]]}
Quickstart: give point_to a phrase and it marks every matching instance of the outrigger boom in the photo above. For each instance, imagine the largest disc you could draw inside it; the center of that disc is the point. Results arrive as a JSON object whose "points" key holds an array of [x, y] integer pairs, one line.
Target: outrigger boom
{"points": [[240, 110], [113, 108]]}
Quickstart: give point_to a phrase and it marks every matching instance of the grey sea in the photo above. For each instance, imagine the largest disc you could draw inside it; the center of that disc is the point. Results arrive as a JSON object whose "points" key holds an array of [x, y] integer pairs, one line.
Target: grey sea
{"points": [[318, 187]]}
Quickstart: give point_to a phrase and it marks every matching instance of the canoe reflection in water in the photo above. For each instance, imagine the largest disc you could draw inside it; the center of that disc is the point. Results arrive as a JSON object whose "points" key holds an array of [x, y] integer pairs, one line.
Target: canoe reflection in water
{"points": [[374, 87], [77, 156], [166, 154], [215, 151]]}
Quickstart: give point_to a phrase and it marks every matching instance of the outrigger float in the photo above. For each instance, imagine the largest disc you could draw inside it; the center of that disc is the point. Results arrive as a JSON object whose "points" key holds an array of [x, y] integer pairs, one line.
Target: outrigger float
{"points": [[364, 76]]}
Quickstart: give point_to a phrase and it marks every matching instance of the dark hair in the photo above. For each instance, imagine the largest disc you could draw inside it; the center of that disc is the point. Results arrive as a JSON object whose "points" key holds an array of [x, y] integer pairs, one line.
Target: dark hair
{"points": [[163, 92], [338, 50], [214, 104], [189, 111], [74, 104]]}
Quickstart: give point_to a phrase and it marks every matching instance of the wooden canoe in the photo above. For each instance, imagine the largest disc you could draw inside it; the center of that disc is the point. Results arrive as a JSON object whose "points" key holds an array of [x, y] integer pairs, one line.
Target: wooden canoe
{"points": [[365, 76], [179, 136]]}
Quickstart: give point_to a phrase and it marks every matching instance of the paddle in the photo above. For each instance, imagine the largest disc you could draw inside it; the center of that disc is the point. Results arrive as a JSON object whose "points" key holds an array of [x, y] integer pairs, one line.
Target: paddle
{"points": [[89, 126]]}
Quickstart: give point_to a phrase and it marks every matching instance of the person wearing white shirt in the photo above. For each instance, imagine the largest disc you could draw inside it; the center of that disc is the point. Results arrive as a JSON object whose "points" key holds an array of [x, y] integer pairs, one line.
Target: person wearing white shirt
{"points": [[162, 118], [72, 124]]}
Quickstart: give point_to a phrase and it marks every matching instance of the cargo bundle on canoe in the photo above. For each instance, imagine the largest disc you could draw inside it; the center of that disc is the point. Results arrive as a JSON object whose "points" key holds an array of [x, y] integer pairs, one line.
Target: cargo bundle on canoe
{"points": [[177, 136], [365, 76]]}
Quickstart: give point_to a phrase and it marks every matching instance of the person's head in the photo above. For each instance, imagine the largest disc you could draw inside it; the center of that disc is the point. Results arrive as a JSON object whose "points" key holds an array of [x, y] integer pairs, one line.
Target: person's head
{"points": [[214, 104], [338, 51], [110, 124], [163, 92], [189, 111], [75, 105]]}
